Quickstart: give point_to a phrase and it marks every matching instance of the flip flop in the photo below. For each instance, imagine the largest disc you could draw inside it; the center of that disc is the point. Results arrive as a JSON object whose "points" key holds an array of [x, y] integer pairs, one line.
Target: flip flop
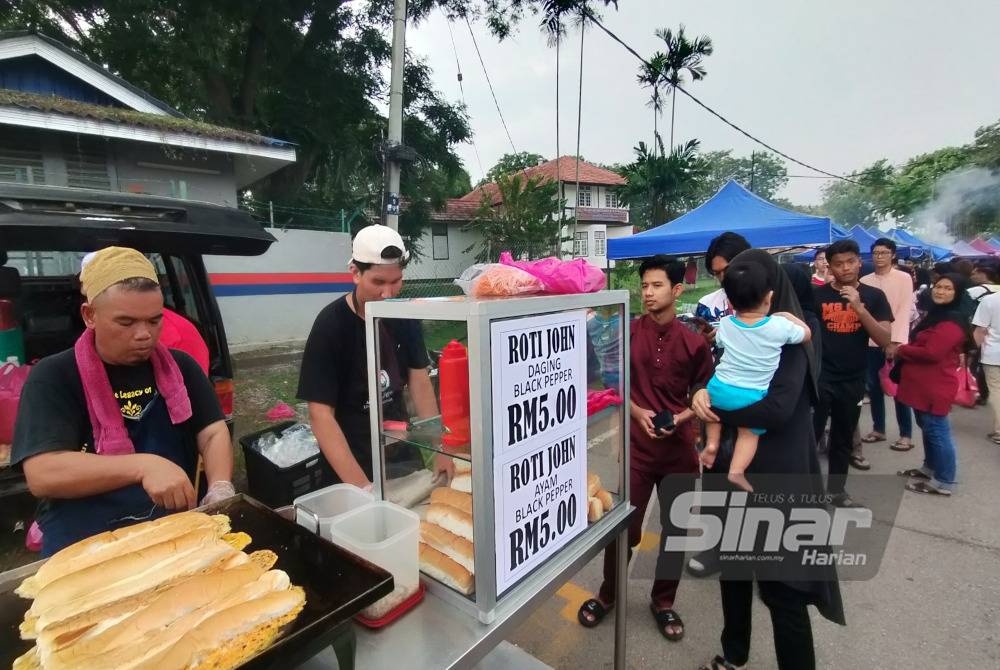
{"points": [[719, 663], [899, 445], [666, 618], [927, 487], [860, 462], [872, 438], [913, 473], [594, 608]]}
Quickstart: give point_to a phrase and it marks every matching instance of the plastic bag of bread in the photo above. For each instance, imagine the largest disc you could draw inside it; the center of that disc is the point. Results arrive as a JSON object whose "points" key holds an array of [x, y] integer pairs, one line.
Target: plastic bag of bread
{"points": [[494, 279]]}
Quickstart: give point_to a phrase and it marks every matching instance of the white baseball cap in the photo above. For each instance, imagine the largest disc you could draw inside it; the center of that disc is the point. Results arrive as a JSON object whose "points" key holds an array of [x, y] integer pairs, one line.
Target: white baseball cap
{"points": [[371, 243]]}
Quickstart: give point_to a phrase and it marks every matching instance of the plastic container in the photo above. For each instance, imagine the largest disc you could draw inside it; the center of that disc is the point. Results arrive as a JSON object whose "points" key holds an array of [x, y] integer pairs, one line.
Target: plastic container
{"points": [[317, 510], [388, 536], [276, 486]]}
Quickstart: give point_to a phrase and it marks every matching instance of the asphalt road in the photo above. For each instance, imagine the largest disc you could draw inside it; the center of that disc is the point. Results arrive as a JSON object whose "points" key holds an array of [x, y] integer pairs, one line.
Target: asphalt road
{"points": [[935, 601]]}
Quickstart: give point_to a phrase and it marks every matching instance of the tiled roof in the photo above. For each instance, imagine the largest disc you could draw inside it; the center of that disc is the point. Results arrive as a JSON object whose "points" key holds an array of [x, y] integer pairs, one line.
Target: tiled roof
{"points": [[456, 209], [128, 117], [564, 167], [602, 214]]}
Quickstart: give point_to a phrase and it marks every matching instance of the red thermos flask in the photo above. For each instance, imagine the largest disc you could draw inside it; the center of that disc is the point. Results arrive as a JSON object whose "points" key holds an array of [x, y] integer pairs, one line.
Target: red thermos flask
{"points": [[453, 372]]}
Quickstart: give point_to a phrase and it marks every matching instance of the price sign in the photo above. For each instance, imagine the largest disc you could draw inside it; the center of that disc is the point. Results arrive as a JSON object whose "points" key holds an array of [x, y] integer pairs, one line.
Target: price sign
{"points": [[539, 367]]}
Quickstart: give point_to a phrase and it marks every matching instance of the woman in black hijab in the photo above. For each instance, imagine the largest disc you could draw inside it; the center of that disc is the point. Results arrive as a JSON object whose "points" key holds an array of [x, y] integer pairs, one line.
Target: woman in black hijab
{"points": [[787, 448]]}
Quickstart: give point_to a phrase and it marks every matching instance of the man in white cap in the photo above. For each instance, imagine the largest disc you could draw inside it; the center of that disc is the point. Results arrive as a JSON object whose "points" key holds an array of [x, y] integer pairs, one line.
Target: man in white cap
{"points": [[108, 433], [334, 378]]}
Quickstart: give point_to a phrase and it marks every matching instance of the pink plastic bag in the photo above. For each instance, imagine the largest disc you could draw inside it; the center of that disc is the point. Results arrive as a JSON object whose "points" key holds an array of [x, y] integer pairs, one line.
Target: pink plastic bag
{"points": [[968, 389], [888, 386], [575, 276], [279, 412], [33, 540], [12, 378]]}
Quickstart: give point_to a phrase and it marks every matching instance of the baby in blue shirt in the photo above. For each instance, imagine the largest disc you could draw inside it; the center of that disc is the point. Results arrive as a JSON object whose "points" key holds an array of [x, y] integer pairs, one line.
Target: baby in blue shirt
{"points": [[751, 342]]}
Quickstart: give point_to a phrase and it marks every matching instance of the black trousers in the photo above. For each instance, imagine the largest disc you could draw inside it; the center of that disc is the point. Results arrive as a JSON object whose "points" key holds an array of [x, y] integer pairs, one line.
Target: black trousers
{"points": [[793, 641], [838, 401]]}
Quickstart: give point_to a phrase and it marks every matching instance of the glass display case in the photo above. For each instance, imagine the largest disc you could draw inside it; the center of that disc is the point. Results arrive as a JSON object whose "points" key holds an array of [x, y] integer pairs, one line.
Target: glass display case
{"points": [[512, 444]]}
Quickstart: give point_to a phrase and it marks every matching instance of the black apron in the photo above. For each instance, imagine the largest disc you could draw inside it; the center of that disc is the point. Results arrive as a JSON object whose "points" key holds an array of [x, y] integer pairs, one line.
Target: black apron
{"points": [[69, 520]]}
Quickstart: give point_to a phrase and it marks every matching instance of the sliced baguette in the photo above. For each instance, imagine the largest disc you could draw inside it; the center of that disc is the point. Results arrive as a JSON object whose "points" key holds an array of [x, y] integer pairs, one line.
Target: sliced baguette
{"points": [[448, 496], [445, 570], [452, 520], [453, 546]]}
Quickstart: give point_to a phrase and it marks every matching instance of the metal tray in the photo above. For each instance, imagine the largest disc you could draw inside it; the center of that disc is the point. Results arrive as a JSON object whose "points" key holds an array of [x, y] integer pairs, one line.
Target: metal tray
{"points": [[337, 583]]}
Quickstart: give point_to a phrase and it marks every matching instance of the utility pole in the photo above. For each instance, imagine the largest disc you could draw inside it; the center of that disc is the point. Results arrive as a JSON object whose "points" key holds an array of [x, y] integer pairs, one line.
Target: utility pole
{"points": [[393, 150], [753, 169]]}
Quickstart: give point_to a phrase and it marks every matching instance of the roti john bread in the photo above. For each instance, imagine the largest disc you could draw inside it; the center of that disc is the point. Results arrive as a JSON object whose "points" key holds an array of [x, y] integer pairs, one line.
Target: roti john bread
{"points": [[193, 601], [452, 520], [445, 570], [452, 498], [453, 546]]}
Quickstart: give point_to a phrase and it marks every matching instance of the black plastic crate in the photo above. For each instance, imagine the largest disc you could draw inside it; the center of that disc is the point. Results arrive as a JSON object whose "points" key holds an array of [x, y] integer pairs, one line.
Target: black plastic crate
{"points": [[275, 486]]}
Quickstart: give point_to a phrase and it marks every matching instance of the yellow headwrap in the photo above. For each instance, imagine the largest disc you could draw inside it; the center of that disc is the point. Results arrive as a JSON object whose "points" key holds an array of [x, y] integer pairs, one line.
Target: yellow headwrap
{"points": [[110, 266]]}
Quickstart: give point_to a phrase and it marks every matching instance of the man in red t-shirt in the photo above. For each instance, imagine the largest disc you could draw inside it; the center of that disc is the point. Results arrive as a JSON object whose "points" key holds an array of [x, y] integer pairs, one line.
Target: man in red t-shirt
{"points": [[667, 361]]}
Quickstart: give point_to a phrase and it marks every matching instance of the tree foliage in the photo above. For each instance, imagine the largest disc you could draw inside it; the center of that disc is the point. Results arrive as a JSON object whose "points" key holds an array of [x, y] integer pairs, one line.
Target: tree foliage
{"points": [[524, 221], [661, 185], [762, 172], [511, 163]]}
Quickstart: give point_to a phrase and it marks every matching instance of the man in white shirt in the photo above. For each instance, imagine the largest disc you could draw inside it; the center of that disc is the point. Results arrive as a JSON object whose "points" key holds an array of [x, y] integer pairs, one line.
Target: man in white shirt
{"points": [[987, 335]]}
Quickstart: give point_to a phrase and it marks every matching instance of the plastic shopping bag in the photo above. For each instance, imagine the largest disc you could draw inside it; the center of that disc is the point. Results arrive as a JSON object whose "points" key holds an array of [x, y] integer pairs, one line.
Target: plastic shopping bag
{"points": [[485, 280], [12, 378], [575, 276], [889, 387]]}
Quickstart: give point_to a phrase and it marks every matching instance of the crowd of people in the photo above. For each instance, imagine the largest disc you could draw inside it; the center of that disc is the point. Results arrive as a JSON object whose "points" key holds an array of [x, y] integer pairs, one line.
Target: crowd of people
{"points": [[786, 356]]}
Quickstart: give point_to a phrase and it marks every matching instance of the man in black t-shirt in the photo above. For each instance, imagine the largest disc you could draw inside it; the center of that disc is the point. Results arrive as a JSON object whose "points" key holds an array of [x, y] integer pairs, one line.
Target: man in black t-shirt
{"points": [[104, 434], [849, 312], [334, 379]]}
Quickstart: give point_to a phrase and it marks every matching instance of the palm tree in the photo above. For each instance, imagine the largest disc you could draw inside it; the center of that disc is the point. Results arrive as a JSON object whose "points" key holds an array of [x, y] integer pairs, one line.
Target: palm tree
{"points": [[681, 56], [659, 184], [651, 75]]}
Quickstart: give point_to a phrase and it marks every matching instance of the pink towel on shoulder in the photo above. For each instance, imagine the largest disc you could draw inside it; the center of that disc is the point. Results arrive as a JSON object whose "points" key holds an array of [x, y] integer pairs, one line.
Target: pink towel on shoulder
{"points": [[110, 436]]}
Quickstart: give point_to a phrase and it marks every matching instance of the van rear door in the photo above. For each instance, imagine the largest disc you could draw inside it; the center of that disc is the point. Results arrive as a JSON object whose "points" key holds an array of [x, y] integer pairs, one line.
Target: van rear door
{"points": [[46, 218]]}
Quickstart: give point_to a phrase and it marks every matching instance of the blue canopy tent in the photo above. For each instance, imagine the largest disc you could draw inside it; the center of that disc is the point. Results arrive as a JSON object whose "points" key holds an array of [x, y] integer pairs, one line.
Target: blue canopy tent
{"points": [[735, 209], [902, 236], [994, 242], [859, 234]]}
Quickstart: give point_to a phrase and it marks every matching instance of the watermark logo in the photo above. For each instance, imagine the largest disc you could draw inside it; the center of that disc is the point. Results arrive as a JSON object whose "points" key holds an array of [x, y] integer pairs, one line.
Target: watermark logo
{"points": [[788, 529]]}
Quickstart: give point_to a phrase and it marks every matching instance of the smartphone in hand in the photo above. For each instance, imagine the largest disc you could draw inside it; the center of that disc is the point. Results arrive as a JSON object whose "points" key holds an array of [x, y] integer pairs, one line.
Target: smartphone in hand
{"points": [[663, 422]]}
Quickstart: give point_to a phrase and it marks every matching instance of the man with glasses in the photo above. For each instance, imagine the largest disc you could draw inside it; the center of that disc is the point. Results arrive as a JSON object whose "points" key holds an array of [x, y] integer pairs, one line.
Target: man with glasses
{"points": [[898, 289], [721, 250], [850, 313]]}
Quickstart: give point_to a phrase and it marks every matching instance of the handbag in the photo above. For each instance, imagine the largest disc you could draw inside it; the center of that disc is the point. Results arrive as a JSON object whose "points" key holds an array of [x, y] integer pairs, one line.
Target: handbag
{"points": [[889, 386], [968, 389]]}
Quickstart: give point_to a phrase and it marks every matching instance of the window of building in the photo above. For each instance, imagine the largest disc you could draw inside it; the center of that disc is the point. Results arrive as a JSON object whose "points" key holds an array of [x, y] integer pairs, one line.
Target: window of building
{"points": [[580, 243], [87, 164], [600, 243], [439, 241], [611, 199], [21, 162], [583, 196]]}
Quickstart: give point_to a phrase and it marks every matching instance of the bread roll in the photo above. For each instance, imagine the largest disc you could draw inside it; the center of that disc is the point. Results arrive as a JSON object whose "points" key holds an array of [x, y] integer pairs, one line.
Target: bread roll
{"points": [[454, 547], [445, 570], [595, 510], [444, 495], [606, 500], [462, 466], [138, 574], [593, 484], [462, 483], [105, 546], [452, 520]]}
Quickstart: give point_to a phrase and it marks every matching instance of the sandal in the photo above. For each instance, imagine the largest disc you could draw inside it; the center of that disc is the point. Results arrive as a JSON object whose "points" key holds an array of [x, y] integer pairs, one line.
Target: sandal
{"points": [[665, 618], [860, 462], [913, 473], [900, 445], [594, 608], [873, 437], [927, 487], [719, 663]]}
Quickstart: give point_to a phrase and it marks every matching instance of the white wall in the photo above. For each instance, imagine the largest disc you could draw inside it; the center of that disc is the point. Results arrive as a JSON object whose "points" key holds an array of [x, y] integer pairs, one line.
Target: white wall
{"points": [[208, 177], [458, 259], [257, 320]]}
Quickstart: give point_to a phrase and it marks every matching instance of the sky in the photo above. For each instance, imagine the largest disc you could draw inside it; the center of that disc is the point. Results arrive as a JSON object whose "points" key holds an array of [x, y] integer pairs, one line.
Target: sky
{"points": [[837, 85]]}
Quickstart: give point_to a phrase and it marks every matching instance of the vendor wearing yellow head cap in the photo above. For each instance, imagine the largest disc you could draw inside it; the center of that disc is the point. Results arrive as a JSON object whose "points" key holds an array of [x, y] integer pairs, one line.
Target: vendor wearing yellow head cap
{"points": [[108, 433]]}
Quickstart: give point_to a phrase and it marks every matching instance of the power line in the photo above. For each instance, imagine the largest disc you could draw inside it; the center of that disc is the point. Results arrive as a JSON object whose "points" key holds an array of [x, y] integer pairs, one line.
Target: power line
{"points": [[461, 88], [711, 111], [490, 84]]}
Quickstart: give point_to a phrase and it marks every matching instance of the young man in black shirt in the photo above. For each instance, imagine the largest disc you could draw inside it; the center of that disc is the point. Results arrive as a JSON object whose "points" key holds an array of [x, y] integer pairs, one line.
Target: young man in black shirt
{"points": [[109, 433], [334, 378], [850, 313]]}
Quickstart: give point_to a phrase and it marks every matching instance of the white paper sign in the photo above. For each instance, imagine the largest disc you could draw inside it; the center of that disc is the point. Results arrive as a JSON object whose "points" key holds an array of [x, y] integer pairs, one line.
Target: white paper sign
{"points": [[539, 367]]}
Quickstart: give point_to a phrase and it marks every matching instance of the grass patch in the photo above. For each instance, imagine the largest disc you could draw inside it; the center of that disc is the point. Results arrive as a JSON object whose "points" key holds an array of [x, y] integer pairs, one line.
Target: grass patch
{"points": [[439, 333]]}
